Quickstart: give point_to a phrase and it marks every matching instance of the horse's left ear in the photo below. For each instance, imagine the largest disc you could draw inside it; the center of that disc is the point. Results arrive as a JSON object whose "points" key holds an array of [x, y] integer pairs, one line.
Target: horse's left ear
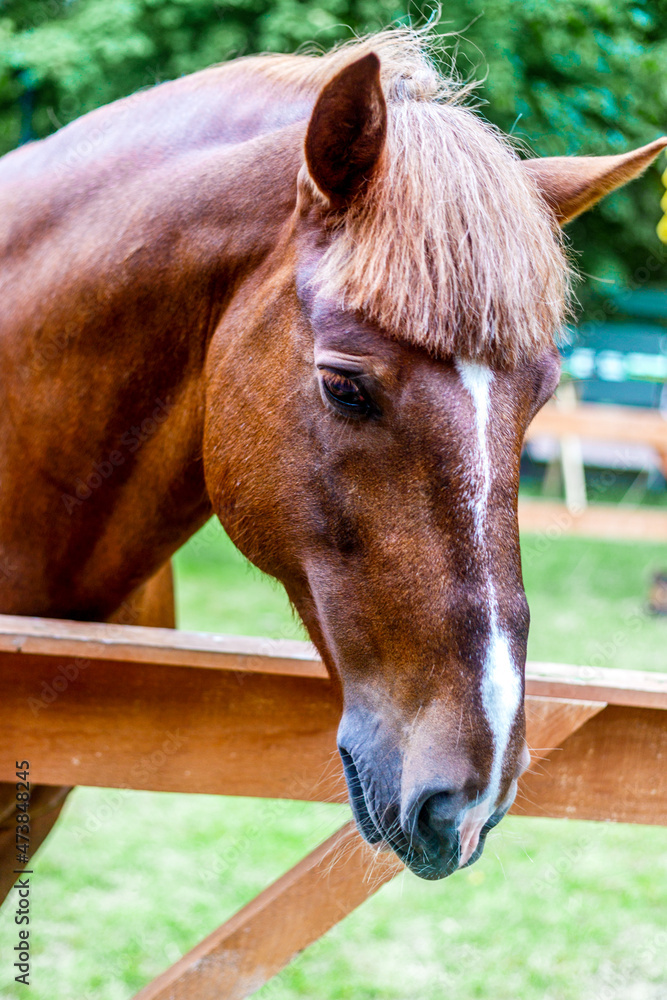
{"points": [[572, 184], [347, 130]]}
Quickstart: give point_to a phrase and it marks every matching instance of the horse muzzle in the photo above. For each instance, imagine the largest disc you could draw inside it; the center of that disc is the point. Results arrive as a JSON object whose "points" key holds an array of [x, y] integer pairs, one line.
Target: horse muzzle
{"points": [[437, 828]]}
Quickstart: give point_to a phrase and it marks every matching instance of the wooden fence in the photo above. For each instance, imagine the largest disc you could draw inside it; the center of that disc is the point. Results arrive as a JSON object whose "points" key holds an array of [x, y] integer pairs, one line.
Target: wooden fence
{"points": [[612, 424], [130, 707]]}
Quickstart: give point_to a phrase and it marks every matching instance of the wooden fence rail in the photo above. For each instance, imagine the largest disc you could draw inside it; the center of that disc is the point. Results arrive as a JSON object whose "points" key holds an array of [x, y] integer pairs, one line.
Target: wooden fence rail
{"points": [[129, 707], [594, 421]]}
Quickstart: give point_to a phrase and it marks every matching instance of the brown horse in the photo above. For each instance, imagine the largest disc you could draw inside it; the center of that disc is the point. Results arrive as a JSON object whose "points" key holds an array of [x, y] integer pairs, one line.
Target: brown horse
{"points": [[318, 297]]}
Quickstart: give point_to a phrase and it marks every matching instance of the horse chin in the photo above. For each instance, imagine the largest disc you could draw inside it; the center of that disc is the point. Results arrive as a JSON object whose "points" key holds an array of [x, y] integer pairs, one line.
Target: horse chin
{"points": [[435, 869], [430, 869]]}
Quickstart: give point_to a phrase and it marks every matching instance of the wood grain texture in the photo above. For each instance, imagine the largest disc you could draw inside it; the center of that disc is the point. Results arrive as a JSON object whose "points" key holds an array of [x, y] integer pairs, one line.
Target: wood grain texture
{"points": [[51, 638], [129, 707], [135, 644], [596, 521], [244, 953], [165, 728], [550, 721], [630, 424], [152, 724], [641, 688], [150, 604], [241, 955], [612, 768]]}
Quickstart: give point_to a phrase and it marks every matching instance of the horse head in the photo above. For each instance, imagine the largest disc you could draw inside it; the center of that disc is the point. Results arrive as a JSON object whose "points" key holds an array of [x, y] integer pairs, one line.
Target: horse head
{"points": [[366, 408]]}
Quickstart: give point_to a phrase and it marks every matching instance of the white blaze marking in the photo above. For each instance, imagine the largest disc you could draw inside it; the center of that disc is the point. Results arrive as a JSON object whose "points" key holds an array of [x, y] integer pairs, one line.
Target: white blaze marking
{"points": [[501, 686], [477, 380], [501, 695]]}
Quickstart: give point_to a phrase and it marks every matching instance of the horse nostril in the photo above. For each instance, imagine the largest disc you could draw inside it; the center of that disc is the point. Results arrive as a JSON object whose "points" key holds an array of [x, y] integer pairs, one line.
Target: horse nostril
{"points": [[437, 814]]}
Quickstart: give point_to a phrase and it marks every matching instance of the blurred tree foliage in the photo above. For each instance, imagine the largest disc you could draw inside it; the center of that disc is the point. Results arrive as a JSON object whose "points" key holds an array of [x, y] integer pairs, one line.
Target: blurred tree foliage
{"points": [[565, 76]]}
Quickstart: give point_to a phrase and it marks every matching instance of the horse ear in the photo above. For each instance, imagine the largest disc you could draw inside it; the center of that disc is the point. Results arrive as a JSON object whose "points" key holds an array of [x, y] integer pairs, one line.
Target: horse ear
{"points": [[347, 130], [572, 184]]}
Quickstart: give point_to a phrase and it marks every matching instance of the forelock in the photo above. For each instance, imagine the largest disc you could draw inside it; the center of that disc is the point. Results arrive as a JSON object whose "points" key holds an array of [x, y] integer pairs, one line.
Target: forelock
{"points": [[449, 245]]}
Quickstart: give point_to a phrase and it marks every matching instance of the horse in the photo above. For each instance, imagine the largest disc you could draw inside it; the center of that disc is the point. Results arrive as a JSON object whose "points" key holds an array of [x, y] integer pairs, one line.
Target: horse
{"points": [[317, 296]]}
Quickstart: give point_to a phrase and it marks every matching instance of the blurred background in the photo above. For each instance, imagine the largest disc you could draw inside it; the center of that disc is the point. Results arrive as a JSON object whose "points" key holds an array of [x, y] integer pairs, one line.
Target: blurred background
{"points": [[129, 881]]}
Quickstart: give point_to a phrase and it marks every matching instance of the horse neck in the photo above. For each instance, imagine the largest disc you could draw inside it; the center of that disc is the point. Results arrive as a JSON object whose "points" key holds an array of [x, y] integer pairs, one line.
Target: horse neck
{"points": [[116, 272]]}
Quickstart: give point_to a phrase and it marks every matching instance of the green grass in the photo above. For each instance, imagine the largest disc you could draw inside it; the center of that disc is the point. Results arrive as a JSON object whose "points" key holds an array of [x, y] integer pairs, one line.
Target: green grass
{"points": [[588, 602], [218, 590], [553, 911]]}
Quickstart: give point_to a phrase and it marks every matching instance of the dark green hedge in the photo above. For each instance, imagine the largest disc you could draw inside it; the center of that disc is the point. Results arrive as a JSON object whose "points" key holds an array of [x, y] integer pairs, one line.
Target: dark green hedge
{"points": [[566, 76]]}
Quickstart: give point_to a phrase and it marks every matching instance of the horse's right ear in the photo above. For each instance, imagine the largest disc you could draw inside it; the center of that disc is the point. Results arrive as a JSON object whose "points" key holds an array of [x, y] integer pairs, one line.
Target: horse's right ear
{"points": [[347, 130], [572, 184]]}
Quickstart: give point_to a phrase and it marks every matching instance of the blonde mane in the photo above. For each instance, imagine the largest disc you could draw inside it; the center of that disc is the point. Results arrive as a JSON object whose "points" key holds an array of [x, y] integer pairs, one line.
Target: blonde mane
{"points": [[449, 246]]}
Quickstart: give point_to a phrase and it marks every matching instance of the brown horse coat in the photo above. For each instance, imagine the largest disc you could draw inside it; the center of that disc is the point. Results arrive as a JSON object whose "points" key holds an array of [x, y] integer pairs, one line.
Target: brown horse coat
{"points": [[317, 297]]}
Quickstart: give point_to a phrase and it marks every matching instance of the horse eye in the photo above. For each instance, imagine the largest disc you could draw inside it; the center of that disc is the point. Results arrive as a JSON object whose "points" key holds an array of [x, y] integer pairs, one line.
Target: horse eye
{"points": [[345, 393]]}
